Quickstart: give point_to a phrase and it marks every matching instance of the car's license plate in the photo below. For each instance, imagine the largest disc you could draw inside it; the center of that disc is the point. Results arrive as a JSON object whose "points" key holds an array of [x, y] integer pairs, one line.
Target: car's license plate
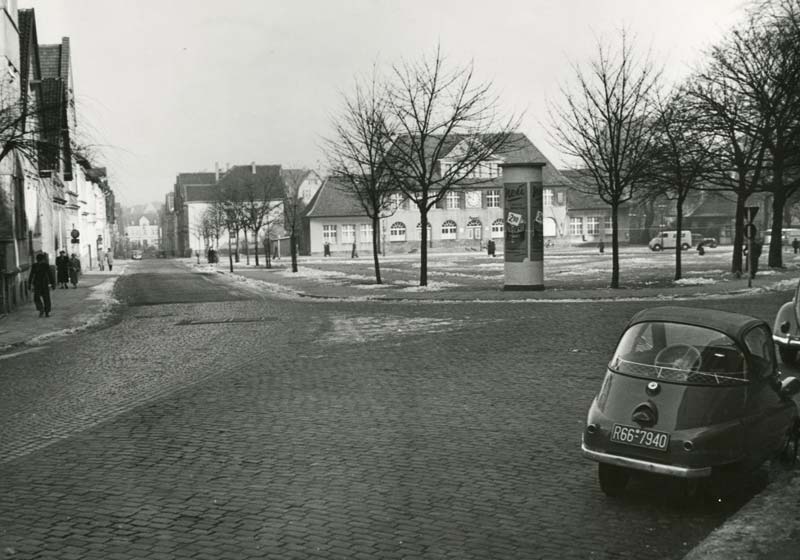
{"points": [[632, 435]]}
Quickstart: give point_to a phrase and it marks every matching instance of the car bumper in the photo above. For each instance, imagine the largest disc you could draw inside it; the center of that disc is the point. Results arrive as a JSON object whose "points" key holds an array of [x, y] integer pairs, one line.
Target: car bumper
{"points": [[647, 466], [790, 341]]}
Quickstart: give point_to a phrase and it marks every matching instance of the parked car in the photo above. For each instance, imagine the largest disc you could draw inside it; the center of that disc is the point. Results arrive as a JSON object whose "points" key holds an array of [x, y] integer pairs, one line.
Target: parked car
{"points": [[668, 239], [688, 393], [136, 255], [786, 329]]}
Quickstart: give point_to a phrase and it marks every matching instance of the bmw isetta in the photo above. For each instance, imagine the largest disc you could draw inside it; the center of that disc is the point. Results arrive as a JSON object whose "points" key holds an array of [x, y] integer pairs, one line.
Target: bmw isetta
{"points": [[689, 392]]}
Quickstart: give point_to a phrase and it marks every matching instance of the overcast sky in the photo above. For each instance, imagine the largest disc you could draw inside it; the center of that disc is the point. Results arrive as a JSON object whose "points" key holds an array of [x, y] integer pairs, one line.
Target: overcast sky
{"points": [[169, 86]]}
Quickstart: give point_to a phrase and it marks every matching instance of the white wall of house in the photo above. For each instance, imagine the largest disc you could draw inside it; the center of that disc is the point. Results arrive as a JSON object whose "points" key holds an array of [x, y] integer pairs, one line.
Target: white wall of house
{"points": [[321, 229]]}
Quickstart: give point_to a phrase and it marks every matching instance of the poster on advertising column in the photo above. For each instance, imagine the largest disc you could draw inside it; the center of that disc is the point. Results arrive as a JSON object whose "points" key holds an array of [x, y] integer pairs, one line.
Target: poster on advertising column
{"points": [[524, 234]]}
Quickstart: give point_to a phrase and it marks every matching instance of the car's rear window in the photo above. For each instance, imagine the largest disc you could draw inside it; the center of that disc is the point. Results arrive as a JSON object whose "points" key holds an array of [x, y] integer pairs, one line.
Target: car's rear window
{"points": [[680, 354]]}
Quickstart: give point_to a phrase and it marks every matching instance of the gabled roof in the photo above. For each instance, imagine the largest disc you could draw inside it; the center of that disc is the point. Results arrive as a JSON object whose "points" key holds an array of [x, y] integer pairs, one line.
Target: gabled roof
{"points": [[266, 179], [582, 192], [28, 49], [50, 61], [519, 149], [294, 177], [200, 193], [334, 200], [201, 178]]}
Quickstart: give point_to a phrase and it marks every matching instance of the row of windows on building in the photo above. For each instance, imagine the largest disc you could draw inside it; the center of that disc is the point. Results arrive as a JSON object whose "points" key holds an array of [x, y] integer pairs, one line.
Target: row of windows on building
{"points": [[398, 231], [589, 225], [454, 200]]}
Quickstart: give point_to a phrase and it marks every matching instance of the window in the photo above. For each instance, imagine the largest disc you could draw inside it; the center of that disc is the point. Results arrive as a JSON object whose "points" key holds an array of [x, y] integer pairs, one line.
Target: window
{"points": [[608, 226], [329, 234], [576, 226], [397, 200], [547, 197], [493, 199], [560, 197], [449, 230], [397, 232], [759, 342], [365, 233], [348, 233], [453, 200], [419, 231], [497, 228], [592, 225], [474, 229]]}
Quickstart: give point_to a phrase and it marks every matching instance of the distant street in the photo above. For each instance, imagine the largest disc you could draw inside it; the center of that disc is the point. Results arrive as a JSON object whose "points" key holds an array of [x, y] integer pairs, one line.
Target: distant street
{"points": [[211, 421]]}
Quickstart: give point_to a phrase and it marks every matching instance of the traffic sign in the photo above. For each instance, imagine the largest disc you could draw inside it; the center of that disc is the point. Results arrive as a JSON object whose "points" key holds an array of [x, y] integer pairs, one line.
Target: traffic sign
{"points": [[750, 213]]}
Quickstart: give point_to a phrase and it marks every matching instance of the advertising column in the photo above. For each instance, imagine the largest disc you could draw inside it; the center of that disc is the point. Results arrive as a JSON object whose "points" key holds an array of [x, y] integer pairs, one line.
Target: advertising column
{"points": [[523, 223]]}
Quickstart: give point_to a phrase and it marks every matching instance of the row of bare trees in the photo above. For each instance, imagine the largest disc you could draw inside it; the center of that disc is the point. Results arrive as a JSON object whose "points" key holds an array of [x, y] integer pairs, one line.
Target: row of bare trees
{"points": [[733, 125], [395, 127], [254, 206]]}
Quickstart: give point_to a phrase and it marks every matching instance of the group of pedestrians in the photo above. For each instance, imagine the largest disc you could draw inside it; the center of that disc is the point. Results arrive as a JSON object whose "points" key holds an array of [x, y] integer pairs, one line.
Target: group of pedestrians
{"points": [[42, 278]]}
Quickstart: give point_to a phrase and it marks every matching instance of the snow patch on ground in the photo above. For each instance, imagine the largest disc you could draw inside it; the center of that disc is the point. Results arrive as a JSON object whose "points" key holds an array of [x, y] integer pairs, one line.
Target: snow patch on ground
{"points": [[431, 287], [695, 281]]}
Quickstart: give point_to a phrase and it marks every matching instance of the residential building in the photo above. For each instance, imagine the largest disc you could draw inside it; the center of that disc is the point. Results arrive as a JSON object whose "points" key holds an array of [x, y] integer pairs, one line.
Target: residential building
{"points": [[142, 226]]}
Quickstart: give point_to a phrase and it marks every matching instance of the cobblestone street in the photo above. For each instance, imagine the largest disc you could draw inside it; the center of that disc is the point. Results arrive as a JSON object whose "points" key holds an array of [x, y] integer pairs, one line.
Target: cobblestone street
{"points": [[212, 421]]}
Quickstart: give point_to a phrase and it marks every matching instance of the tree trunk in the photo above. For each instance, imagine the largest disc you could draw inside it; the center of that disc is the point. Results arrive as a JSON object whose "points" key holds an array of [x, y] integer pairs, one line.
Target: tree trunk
{"points": [[738, 233], [614, 245], [375, 249], [678, 236], [267, 252], [246, 248], [649, 218], [293, 250], [423, 246], [776, 242], [236, 254], [255, 238]]}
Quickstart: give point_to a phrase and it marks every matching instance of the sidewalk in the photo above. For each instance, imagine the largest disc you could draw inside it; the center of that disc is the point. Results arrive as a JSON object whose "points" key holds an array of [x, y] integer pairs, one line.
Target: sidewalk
{"points": [[74, 309]]}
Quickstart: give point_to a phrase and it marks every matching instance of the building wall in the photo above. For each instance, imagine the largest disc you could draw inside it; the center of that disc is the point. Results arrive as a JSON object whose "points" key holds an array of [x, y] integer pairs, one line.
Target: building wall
{"points": [[341, 246]]}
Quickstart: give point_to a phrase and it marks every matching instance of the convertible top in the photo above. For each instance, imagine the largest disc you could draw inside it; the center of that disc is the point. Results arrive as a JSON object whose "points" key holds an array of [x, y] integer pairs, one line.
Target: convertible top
{"points": [[732, 324]]}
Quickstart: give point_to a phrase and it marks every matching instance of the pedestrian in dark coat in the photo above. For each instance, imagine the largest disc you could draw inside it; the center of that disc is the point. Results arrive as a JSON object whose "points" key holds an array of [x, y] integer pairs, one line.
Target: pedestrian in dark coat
{"points": [[795, 245], [74, 269], [109, 260], [756, 253], [62, 269], [490, 247], [41, 279], [326, 249]]}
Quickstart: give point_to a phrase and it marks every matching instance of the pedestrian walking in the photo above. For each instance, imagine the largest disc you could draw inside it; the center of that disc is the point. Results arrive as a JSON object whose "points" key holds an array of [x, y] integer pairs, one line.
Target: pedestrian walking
{"points": [[490, 247], [62, 269], [755, 253], [354, 251], [101, 260], [326, 249], [276, 252], [701, 249], [41, 279], [74, 270], [601, 246], [796, 245], [109, 260]]}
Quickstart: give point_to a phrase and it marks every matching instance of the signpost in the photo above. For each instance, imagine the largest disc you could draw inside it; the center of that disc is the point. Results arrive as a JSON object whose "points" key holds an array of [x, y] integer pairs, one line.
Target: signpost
{"points": [[523, 225]]}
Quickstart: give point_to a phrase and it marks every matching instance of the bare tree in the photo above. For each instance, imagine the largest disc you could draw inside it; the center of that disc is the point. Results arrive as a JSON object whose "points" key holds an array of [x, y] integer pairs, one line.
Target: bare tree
{"points": [[681, 157], [357, 155], [762, 61], [440, 112], [606, 125], [738, 151], [214, 218], [255, 192]]}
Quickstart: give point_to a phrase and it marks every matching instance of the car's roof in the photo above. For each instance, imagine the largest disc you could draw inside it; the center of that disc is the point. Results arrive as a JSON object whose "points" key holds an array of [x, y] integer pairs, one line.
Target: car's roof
{"points": [[732, 324]]}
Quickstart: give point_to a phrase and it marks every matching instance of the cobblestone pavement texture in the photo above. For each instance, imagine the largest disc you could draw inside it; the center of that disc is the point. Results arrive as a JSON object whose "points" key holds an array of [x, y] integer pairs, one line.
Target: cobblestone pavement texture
{"points": [[235, 425]]}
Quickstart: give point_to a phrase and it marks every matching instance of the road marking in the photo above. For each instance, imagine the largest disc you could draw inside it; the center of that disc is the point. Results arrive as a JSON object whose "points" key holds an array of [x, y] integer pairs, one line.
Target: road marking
{"points": [[21, 352]]}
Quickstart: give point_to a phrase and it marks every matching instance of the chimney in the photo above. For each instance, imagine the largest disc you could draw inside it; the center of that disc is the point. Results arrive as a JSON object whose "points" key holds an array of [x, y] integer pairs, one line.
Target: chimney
{"points": [[253, 167], [216, 171]]}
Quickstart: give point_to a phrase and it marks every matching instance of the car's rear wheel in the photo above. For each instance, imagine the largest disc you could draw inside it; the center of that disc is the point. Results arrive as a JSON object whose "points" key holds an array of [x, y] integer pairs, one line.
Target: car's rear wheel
{"points": [[685, 246], [613, 479], [788, 355], [656, 248]]}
